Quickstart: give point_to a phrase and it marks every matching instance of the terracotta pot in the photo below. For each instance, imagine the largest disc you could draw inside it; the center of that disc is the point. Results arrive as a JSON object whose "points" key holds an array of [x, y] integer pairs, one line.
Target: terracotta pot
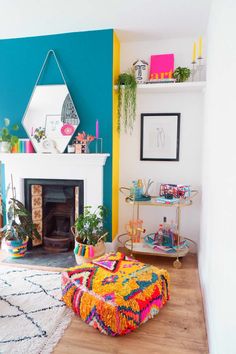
{"points": [[16, 248]]}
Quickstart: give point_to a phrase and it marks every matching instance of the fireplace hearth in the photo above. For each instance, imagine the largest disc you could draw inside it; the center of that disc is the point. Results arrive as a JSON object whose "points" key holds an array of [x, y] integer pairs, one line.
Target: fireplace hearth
{"points": [[54, 204]]}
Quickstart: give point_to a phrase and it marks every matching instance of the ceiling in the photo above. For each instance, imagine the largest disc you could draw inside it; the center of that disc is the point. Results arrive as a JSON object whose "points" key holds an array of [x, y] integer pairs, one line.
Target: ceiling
{"points": [[134, 20]]}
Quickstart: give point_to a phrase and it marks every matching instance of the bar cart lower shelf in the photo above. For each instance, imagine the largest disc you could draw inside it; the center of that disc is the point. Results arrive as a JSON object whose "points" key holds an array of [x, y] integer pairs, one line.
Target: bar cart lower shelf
{"points": [[142, 247]]}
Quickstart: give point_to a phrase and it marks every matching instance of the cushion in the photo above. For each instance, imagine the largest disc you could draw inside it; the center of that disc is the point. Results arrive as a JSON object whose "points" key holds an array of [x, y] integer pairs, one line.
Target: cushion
{"points": [[115, 293]]}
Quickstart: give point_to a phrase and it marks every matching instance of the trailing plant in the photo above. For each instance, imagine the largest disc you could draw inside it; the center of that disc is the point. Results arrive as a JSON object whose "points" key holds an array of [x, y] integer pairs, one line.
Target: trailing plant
{"points": [[126, 101], [89, 225], [19, 222], [181, 74], [5, 133]]}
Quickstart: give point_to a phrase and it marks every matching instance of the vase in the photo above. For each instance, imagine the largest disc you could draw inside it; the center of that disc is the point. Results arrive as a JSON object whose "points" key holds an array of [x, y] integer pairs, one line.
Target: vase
{"points": [[16, 248], [82, 148], [5, 147]]}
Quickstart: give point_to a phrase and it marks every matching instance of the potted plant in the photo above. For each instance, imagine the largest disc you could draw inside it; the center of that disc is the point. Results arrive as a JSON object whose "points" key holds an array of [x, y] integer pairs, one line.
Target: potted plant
{"points": [[18, 229], [126, 101], [8, 140], [82, 141], [181, 74], [89, 234]]}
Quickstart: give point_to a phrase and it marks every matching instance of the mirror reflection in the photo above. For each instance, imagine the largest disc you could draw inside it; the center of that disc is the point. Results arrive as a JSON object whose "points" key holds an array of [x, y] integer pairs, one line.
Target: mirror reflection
{"points": [[50, 119]]}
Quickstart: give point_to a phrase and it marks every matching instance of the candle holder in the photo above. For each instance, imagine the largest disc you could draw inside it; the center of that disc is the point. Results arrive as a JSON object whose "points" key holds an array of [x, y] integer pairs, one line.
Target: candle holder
{"points": [[99, 145], [193, 71], [200, 69]]}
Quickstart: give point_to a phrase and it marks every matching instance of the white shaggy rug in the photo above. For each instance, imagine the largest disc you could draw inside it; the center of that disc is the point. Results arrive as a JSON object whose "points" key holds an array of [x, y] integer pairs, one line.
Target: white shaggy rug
{"points": [[32, 316]]}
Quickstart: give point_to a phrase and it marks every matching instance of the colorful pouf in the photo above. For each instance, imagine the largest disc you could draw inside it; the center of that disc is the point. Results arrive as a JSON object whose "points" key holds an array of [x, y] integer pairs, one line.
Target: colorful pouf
{"points": [[115, 293]]}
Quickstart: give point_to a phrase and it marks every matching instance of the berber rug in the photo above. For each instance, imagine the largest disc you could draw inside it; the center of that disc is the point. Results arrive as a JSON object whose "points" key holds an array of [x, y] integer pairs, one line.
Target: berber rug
{"points": [[32, 316]]}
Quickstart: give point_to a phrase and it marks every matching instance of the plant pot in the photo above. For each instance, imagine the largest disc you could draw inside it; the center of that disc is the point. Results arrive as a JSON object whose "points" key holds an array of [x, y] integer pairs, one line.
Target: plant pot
{"points": [[5, 147], [82, 148], [16, 248], [83, 254]]}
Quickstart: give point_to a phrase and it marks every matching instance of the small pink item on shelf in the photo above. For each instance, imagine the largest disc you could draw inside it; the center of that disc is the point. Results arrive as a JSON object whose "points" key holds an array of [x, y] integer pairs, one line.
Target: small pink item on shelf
{"points": [[162, 66], [29, 147], [67, 129]]}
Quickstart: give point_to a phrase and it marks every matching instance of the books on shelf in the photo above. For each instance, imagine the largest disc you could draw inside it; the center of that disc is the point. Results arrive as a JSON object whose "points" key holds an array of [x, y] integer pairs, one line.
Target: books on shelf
{"points": [[161, 81], [23, 146]]}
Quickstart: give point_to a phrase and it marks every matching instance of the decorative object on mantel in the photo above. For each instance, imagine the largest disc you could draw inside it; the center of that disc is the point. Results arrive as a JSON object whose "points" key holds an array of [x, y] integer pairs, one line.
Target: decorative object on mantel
{"points": [[19, 228], [71, 149], [23, 146], [198, 67], [162, 68], [98, 140], [8, 140], [201, 66], [126, 101], [181, 74], [89, 234], [50, 119], [160, 136], [140, 68], [82, 141]]}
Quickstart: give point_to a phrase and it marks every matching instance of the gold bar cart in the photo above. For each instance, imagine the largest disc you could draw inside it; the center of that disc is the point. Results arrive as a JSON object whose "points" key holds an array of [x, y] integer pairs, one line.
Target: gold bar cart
{"points": [[141, 247]]}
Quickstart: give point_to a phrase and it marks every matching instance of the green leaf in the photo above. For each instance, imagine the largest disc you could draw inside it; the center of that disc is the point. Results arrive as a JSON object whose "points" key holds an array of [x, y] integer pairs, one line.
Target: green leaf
{"points": [[5, 131], [15, 127], [126, 101], [14, 140], [89, 225]]}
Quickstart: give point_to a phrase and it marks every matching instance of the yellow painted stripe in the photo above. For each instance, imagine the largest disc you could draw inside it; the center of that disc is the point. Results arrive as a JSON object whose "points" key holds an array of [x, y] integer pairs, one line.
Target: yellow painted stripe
{"points": [[115, 139]]}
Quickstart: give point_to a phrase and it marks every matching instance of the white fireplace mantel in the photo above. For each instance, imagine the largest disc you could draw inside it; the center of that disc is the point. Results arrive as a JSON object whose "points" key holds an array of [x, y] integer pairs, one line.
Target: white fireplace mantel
{"points": [[86, 167]]}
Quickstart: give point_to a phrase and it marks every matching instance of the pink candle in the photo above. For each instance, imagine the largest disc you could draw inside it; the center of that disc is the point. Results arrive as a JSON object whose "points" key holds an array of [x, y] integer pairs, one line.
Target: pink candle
{"points": [[97, 129]]}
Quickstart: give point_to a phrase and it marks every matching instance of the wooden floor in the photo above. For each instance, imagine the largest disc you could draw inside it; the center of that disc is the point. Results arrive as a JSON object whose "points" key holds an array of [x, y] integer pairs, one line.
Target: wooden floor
{"points": [[179, 328]]}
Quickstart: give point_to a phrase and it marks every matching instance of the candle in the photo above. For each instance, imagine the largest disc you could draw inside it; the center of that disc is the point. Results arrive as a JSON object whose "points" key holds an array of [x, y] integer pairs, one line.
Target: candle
{"points": [[97, 129], [194, 53], [200, 47]]}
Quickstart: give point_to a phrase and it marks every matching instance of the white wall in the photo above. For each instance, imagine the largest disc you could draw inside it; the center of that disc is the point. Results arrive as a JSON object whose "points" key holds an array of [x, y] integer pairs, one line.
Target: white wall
{"points": [[181, 47], [218, 241], [188, 169]]}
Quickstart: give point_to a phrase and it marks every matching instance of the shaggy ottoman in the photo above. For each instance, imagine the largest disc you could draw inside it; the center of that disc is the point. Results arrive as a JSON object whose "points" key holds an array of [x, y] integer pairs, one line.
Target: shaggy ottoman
{"points": [[115, 293]]}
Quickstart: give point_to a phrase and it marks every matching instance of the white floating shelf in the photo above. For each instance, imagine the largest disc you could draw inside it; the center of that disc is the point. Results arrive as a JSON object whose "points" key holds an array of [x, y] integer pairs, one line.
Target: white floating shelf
{"points": [[195, 86]]}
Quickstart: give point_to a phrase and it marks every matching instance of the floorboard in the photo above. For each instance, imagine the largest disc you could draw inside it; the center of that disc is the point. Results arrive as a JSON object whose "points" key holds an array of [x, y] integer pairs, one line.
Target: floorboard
{"points": [[179, 328]]}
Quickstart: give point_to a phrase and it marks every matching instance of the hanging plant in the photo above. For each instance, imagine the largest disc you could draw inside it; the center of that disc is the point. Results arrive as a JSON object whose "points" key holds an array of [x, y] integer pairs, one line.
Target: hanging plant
{"points": [[126, 101]]}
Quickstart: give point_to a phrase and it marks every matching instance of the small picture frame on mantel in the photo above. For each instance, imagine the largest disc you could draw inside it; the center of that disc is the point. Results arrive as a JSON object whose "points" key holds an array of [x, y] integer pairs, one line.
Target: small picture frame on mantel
{"points": [[160, 136]]}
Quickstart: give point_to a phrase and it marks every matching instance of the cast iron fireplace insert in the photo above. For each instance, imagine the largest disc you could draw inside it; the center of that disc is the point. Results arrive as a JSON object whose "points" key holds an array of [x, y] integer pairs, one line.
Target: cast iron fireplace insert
{"points": [[55, 204]]}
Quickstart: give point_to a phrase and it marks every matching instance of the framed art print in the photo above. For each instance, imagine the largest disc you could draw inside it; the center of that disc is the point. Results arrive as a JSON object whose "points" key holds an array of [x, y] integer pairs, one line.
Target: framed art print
{"points": [[160, 136]]}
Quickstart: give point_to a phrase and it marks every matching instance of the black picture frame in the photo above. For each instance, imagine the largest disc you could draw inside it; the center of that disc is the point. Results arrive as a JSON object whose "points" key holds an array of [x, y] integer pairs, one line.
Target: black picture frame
{"points": [[163, 145]]}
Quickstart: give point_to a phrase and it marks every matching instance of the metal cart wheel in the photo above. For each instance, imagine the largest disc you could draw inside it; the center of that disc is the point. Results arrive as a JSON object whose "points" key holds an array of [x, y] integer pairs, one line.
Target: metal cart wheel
{"points": [[177, 264]]}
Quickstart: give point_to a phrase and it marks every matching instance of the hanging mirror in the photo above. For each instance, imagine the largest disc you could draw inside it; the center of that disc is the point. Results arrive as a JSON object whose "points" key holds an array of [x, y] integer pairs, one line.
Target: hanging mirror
{"points": [[50, 119]]}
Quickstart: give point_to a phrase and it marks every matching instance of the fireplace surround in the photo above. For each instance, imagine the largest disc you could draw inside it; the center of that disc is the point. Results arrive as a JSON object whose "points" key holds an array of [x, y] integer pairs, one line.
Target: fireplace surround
{"points": [[87, 168]]}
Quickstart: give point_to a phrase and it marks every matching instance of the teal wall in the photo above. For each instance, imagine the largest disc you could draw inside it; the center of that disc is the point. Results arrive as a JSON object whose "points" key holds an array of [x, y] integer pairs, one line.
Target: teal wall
{"points": [[86, 62]]}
